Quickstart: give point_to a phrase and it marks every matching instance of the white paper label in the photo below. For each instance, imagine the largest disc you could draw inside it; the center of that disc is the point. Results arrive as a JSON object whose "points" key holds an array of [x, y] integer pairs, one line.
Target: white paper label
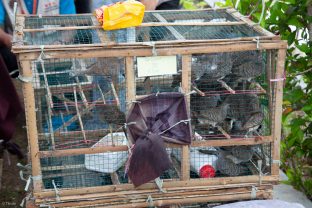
{"points": [[156, 65]]}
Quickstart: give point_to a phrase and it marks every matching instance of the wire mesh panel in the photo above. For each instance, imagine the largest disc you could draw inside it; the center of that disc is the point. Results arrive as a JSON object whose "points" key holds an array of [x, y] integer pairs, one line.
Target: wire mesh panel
{"points": [[84, 170], [35, 22], [196, 16], [48, 30], [90, 170], [231, 99], [79, 102], [209, 162], [159, 33]]}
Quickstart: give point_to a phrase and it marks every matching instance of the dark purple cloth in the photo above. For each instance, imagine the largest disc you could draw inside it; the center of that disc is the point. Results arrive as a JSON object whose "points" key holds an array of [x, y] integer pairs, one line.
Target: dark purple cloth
{"points": [[10, 107], [155, 119], [149, 159]]}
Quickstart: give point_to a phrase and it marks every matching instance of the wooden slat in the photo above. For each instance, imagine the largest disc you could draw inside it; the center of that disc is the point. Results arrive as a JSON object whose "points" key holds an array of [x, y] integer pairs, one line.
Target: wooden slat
{"points": [[131, 45], [32, 133], [18, 36], [207, 143], [81, 151], [130, 80], [280, 70], [71, 134], [203, 184], [63, 167], [167, 184], [142, 194], [123, 199], [186, 87], [185, 163], [231, 142], [89, 52]]}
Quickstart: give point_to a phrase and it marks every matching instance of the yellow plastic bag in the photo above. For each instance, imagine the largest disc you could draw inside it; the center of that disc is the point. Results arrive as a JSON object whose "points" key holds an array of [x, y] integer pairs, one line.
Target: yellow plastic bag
{"points": [[120, 15]]}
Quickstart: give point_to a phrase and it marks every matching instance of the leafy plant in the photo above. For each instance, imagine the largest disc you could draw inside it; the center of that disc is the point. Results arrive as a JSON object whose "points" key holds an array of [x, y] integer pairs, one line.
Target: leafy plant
{"points": [[292, 20], [193, 4]]}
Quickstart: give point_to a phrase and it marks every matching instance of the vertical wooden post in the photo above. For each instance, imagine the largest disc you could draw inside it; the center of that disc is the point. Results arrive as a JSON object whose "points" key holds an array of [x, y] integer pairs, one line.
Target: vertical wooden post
{"points": [[269, 71], [130, 87], [130, 81], [186, 86], [32, 133], [280, 67], [185, 163]]}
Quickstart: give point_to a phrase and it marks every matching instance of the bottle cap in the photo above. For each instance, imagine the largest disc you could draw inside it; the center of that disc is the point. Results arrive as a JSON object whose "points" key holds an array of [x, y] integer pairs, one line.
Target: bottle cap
{"points": [[207, 171]]}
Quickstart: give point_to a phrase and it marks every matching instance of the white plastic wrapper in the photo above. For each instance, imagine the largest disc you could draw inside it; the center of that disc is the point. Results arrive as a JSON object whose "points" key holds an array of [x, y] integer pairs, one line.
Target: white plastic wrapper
{"points": [[107, 162], [262, 204]]}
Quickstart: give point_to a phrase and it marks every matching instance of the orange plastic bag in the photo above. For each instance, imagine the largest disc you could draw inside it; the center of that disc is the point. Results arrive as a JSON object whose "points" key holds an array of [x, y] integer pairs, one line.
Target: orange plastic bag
{"points": [[120, 15]]}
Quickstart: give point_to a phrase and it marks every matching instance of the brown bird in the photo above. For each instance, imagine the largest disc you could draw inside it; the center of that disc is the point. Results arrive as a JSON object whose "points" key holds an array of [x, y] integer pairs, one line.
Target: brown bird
{"points": [[250, 124], [247, 66], [212, 67], [214, 117], [111, 114], [227, 167], [239, 154], [241, 105]]}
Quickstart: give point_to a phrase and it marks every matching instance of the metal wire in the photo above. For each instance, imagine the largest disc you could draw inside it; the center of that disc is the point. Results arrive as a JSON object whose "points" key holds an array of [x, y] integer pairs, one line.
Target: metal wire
{"points": [[87, 103], [159, 33]]}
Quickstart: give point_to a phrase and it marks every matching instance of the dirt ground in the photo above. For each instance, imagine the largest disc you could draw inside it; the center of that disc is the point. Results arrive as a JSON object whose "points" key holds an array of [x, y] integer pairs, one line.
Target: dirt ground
{"points": [[12, 187]]}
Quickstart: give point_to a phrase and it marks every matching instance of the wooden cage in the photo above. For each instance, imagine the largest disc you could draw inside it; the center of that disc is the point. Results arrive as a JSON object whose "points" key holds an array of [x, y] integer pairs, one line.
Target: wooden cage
{"points": [[45, 46]]}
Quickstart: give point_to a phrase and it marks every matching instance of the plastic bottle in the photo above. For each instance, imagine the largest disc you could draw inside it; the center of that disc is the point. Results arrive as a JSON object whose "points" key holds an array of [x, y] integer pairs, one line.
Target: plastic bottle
{"points": [[202, 164]]}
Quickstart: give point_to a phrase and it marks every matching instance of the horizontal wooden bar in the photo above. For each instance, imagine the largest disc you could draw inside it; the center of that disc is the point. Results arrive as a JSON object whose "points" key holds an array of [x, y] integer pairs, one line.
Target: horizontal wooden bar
{"points": [[205, 143], [113, 45], [166, 184], [232, 142], [148, 24], [71, 134], [172, 201], [148, 51], [62, 167], [81, 151], [197, 199], [137, 194], [133, 200], [142, 195]]}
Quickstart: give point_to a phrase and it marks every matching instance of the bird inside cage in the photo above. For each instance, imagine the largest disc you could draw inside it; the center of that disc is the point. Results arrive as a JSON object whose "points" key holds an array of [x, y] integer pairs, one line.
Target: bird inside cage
{"points": [[247, 66], [112, 115], [226, 166], [210, 70], [213, 117], [239, 154], [245, 113]]}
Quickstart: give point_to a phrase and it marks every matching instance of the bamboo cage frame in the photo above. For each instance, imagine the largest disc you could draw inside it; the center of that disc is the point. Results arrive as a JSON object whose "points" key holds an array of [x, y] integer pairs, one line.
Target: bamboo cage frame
{"points": [[198, 190]]}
